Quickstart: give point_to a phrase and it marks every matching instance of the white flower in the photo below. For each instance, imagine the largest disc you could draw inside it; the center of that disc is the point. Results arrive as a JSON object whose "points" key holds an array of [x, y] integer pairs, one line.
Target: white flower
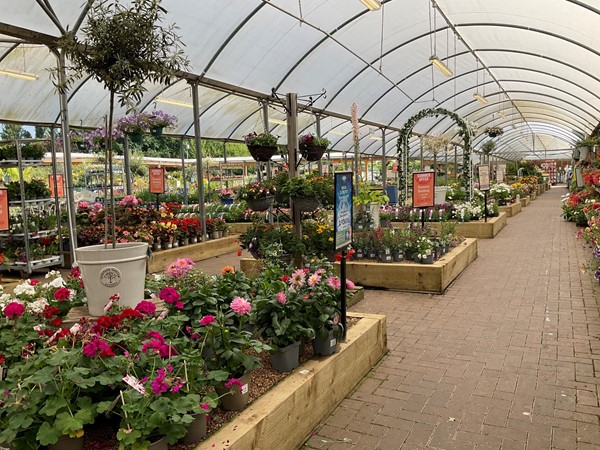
{"points": [[53, 273], [5, 299], [37, 306], [56, 283], [24, 289]]}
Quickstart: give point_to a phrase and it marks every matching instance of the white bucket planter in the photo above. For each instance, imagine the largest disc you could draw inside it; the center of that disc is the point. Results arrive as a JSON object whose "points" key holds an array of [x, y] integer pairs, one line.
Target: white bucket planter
{"points": [[440, 194], [108, 271]]}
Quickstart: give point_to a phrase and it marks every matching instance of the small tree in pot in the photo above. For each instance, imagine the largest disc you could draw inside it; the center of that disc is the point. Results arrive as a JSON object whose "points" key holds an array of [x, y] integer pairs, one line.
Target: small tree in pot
{"points": [[123, 48]]}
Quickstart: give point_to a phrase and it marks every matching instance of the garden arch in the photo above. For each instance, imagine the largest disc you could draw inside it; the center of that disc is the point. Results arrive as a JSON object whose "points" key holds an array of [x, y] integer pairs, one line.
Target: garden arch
{"points": [[403, 148]]}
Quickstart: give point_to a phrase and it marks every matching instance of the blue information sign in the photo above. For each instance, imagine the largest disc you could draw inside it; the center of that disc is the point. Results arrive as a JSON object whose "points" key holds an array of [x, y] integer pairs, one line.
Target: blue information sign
{"points": [[343, 210]]}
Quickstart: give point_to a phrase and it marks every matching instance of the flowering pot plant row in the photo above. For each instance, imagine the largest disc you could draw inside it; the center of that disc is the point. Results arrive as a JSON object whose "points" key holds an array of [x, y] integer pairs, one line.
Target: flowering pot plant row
{"points": [[137, 221], [151, 371], [582, 206]]}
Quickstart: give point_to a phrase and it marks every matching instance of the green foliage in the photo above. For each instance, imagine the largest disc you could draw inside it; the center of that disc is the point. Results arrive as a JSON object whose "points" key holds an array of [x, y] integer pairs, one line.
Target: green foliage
{"points": [[11, 131], [588, 142]]}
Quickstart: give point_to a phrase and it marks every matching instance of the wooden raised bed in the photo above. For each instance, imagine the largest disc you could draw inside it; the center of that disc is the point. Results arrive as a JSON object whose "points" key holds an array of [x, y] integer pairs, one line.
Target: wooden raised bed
{"points": [[284, 417], [238, 227], [525, 202], [511, 210], [197, 252], [406, 276], [476, 229]]}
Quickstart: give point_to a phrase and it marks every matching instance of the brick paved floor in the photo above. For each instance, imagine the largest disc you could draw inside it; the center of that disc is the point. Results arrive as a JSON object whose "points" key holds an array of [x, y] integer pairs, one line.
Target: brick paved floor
{"points": [[507, 358]]}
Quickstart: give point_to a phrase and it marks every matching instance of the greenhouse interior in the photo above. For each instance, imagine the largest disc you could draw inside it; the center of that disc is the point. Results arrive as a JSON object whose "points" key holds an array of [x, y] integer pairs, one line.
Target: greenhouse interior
{"points": [[300, 224]]}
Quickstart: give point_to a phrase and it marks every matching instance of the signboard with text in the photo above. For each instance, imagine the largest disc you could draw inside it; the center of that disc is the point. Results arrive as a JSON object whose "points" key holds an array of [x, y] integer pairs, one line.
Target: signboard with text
{"points": [[484, 177], [60, 185], [423, 189], [4, 223], [343, 210], [157, 180]]}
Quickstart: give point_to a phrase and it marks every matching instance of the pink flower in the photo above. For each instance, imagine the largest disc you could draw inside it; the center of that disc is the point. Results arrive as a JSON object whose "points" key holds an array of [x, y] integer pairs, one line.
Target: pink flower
{"points": [[169, 295], [159, 385], [241, 306], [205, 406], [97, 347], [313, 279], [76, 272], [298, 278], [281, 298], [350, 284], [83, 205], [34, 282], [233, 382], [334, 283], [146, 307], [14, 310], [207, 320], [180, 267]]}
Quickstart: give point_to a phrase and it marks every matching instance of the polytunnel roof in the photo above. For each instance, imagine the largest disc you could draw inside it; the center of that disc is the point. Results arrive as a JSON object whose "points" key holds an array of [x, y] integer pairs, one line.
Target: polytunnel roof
{"points": [[534, 61]]}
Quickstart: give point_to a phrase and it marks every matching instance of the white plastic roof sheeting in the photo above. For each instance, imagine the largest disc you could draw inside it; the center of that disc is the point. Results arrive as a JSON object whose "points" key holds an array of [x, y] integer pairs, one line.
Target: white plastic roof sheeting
{"points": [[535, 61]]}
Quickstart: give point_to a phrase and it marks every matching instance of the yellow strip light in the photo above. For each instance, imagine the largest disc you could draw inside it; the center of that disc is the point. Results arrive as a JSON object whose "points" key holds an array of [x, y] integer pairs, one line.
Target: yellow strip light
{"points": [[439, 65], [373, 5], [19, 74], [480, 99], [173, 102]]}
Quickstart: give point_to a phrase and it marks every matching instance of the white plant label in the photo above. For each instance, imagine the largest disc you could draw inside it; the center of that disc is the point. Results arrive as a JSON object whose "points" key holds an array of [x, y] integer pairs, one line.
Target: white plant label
{"points": [[333, 342], [244, 389], [134, 383]]}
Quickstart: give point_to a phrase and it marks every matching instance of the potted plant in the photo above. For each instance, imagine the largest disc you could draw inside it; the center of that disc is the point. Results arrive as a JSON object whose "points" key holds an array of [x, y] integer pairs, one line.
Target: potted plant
{"points": [[502, 193], [278, 316], [488, 147], [584, 147], [8, 152], [302, 193], [158, 120], [134, 126], [494, 131], [258, 195], [312, 147], [108, 49], [226, 195], [33, 150], [261, 146]]}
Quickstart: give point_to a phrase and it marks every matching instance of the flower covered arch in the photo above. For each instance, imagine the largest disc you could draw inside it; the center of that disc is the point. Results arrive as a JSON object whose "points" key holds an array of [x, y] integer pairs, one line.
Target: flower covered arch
{"points": [[403, 147]]}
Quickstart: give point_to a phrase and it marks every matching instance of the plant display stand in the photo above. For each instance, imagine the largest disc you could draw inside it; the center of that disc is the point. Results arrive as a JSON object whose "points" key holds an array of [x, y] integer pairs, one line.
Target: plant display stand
{"points": [[36, 254], [432, 278], [511, 210], [475, 229], [284, 417], [197, 252], [525, 202]]}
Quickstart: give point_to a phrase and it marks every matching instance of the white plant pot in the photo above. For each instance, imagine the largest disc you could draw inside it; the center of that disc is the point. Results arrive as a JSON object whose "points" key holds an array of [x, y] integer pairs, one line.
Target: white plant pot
{"points": [[440, 194], [108, 271]]}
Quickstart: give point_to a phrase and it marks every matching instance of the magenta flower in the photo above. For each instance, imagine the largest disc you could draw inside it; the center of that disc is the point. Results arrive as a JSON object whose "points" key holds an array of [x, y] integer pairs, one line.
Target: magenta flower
{"points": [[205, 406], [350, 284], [207, 320], [241, 306], [62, 294], [169, 295], [233, 382], [13, 310], [281, 298], [146, 307], [97, 347], [159, 385]]}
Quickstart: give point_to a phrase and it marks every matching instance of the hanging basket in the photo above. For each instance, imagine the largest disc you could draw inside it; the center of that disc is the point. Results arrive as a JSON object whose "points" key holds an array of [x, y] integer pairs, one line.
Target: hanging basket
{"points": [[156, 131], [309, 203], [262, 153], [261, 204], [312, 152], [135, 137]]}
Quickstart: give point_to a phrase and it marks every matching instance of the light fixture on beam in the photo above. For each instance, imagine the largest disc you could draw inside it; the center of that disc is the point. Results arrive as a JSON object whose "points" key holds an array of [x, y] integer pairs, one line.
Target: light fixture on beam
{"points": [[277, 121], [19, 74], [480, 99], [439, 65], [373, 5], [168, 101], [339, 133], [376, 138]]}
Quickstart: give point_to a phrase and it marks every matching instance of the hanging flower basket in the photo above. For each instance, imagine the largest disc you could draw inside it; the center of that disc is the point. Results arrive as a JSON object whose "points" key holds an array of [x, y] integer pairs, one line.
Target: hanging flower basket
{"points": [[262, 153], [135, 137], [309, 203], [261, 204], [156, 131], [494, 131], [312, 152]]}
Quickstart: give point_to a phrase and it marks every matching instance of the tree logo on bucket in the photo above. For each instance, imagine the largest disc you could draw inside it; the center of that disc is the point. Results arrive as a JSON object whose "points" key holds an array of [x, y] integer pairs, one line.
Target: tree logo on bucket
{"points": [[110, 276]]}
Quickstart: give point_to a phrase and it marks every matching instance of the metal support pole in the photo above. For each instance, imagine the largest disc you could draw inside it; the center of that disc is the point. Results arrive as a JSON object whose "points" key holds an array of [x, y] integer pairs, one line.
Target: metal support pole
{"points": [[455, 163], [64, 118], [446, 165], [292, 133], [383, 160], [185, 188], [318, 125], [199, 164], [421, 152], [265, 111], [126, 165]]}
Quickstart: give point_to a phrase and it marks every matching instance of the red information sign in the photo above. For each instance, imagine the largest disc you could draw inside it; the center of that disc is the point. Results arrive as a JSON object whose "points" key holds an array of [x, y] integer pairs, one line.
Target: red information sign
{"points": [[4, 224], [157, 180], [423, 189], [60, 184]]}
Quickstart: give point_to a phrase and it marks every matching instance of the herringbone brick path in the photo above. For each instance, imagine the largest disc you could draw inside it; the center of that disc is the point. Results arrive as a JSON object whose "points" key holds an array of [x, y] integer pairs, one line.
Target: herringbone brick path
{"points": [[507, 358]]}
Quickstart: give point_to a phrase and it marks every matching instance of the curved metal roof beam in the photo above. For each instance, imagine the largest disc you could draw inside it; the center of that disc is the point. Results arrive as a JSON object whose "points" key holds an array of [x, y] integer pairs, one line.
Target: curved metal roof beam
{"points": [[8, 51]]}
